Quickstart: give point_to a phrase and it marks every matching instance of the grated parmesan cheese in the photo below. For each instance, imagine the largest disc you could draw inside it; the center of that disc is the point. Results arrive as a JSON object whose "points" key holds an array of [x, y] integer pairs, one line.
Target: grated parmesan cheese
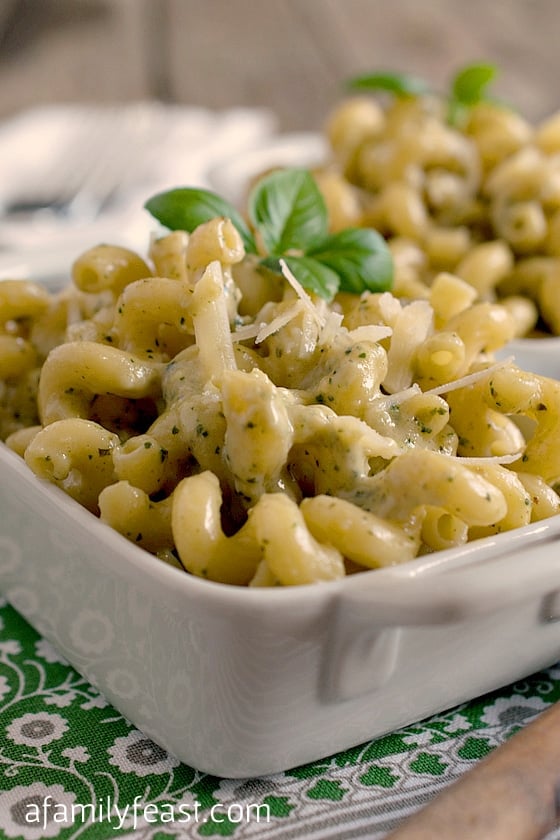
{"points": [[470, 378], [482, 460]]}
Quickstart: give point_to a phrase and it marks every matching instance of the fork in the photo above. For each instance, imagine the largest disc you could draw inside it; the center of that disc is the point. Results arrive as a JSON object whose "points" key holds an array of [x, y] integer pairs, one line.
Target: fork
{"points": [[91, 166]]}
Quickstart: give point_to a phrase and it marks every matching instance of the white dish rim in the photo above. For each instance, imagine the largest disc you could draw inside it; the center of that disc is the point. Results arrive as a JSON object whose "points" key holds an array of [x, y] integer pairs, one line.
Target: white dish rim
{"points": [[429, 565]]}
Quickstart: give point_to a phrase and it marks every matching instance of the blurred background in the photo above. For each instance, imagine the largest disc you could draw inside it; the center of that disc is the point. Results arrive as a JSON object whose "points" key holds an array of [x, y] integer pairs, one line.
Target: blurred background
{"points": [[289, 55]]}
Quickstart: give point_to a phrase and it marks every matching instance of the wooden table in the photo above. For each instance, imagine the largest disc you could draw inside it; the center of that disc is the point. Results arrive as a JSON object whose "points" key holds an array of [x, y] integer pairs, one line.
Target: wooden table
{"points": [[291, 55]]}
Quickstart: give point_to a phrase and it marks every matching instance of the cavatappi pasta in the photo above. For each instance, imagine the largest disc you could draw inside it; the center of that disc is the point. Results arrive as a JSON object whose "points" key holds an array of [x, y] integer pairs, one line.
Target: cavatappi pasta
{"points": [[224, 419], [480, 199]]}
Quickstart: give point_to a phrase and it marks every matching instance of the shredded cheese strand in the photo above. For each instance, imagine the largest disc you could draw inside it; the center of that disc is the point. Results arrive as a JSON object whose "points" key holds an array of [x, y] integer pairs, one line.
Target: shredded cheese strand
{"points": [[481, 460], [277, 323], [371, 332], [302, 294], [247, 332], [470, 378]]}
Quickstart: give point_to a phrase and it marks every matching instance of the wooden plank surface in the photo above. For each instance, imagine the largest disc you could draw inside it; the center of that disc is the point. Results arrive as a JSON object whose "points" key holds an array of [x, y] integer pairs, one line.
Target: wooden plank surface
{"points": [[290, 55]]}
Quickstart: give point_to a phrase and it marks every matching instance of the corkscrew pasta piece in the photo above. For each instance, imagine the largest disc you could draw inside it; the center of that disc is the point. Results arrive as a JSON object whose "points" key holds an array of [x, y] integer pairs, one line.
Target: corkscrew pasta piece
{"points": [[449, 296], [22, 305], [403, 211], [348, 377], [547, 134], [441, 529], [18, 403], [75, 454], [360, 536], [517, 500], [153, 318], [108, 268], [441, 358], [414, 419], [22, 300], [291, 553], [485, 266], [445, 247], [130, 511], [331, 452], [497, 132], [483, 328], [441, 481], [544, 501], [524, 314], [351, 125], [17, 356], [217, 241], [201, 544], [485, 433], [548, 298], [141, 461], [19, 440], [169, 255], [344, 208], [516, 392], [65, 308], [74, 373]]}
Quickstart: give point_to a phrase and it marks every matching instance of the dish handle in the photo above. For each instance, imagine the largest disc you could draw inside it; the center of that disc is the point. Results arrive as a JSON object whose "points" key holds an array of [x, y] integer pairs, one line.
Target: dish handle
{"points": [[372, 608]]}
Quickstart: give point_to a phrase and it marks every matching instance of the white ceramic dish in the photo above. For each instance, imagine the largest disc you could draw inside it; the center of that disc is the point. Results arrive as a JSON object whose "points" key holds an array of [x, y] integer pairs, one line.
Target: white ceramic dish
{"points": [[241, 682], [539, 355]]}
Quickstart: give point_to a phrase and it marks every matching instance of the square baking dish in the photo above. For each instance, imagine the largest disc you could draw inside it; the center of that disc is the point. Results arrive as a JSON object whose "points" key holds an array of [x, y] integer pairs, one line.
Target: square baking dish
{"points": [[243, 682]]}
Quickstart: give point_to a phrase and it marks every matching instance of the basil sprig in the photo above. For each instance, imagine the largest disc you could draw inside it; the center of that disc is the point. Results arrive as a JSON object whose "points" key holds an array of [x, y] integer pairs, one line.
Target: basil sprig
{"points": [[399, 84], [185, 208], [289, 215], [468, 87]]}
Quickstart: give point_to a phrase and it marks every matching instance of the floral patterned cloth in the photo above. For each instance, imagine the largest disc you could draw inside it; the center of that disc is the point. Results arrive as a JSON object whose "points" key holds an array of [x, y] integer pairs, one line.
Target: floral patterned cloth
{"points": [[70, 766]]}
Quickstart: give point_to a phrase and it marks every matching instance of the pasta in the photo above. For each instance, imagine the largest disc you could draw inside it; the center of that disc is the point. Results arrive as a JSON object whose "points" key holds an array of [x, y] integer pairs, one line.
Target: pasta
{"points": [[253, 432], [479, 198], [283, 442]]}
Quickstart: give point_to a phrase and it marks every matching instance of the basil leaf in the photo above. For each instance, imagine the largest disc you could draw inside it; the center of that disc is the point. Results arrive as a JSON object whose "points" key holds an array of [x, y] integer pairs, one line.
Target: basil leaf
{"points": [[185, 208], [288, 210], [360, 257], [400, 84], [469, 85], [313, 275]]}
